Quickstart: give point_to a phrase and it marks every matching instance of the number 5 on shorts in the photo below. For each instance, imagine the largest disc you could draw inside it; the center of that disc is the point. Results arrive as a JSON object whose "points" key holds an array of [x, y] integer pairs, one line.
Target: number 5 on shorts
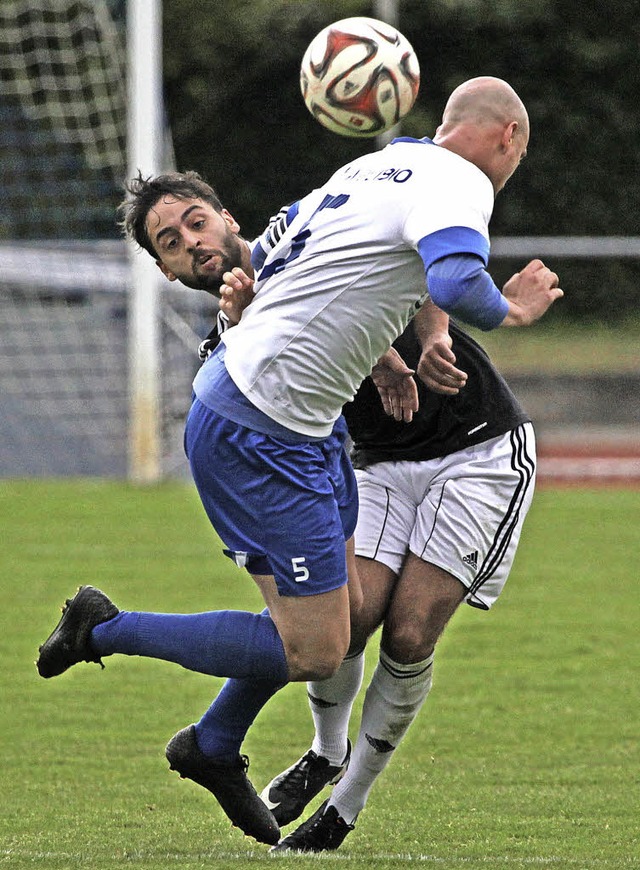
{"points": [[300, 571]]}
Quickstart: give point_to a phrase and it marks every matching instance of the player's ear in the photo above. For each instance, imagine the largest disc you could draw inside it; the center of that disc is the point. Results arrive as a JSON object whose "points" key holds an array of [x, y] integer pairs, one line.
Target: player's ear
{"points": [[509, 133], [234, 226], [168, 274]]}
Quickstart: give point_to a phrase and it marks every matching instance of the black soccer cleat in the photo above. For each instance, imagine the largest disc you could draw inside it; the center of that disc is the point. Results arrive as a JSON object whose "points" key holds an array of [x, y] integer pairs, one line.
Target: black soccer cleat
{"points": [[289, 793], [70, 641], [324, 831], [228, 783]]}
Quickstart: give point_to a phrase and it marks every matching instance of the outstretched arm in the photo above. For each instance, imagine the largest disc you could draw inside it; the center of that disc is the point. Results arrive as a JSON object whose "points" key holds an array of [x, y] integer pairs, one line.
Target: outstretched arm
{"points": [[460, 285]]}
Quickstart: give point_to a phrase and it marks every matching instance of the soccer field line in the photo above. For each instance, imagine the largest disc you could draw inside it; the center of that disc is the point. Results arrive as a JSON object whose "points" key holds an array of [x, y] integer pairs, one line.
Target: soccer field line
{"points": [[132, 857]]}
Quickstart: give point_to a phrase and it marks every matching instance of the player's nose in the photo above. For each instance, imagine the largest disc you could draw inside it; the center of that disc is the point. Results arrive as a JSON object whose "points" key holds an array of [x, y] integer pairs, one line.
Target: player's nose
{"points": [[191, 240]]}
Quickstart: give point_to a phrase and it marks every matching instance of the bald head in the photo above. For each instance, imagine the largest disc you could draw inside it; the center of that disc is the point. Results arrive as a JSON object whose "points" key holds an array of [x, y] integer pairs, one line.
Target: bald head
{"points": [[485, 122], [485, 100]]}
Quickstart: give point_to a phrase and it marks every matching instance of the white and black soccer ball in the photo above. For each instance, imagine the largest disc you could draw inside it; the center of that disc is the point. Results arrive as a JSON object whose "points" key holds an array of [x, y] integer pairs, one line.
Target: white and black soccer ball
{"points": [[359, 77]]}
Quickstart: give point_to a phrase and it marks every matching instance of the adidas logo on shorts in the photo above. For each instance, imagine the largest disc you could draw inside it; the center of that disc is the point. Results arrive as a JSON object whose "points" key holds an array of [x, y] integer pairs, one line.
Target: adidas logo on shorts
{"points": [[471, 559]]}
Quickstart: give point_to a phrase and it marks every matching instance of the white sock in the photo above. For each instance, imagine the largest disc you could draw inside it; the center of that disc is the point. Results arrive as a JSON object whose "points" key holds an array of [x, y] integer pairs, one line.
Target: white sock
{"points": [[394, 697], [331, 702]]}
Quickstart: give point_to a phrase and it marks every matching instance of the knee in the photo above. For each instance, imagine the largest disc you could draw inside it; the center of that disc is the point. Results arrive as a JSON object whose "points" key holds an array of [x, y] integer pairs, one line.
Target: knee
{"points": [[318, 659], [304, 665], [408, 644]]}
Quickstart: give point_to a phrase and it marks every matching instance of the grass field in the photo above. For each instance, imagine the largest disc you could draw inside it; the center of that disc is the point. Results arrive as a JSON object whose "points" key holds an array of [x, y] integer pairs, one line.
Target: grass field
{"points": [[527, 753]]}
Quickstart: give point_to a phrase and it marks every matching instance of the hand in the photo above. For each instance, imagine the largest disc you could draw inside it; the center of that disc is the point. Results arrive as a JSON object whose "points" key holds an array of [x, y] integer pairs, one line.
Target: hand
{"points": [[530, 293], [436, 367], [396, 386], [236, 292]]}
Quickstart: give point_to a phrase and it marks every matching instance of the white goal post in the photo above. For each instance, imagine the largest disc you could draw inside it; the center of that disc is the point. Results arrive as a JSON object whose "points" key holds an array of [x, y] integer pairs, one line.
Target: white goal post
{"points": [[145, 139], [80, 111]]}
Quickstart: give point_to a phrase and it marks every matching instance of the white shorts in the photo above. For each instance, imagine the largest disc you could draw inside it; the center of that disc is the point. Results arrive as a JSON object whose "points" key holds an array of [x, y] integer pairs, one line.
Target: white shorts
{"points": [[463, 512]]}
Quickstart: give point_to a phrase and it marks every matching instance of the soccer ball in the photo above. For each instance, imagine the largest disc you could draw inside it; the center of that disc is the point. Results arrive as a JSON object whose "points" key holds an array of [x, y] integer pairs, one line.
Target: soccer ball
{"points": [[359, 77]]}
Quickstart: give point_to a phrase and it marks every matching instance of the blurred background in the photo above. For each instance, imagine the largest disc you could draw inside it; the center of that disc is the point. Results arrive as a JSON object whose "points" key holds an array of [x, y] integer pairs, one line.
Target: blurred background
{"points": [[231, 109]]}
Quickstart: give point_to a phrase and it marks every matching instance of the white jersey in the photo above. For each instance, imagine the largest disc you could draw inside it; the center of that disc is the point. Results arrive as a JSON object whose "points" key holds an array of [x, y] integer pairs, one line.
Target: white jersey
{"points": [[347, 276]]}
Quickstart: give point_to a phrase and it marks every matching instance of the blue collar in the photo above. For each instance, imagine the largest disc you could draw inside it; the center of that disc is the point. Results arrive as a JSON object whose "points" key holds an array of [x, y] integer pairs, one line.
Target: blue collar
{"points": [[424, 141]]}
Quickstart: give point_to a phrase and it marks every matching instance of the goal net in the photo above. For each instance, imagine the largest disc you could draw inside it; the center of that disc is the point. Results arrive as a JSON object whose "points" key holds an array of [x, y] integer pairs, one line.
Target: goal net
{"points": [[64, 359], [64, 274]]}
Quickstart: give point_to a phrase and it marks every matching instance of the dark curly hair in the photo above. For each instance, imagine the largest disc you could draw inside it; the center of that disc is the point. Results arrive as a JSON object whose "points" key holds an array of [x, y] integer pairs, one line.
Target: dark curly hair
{"points": [[144, 193]]}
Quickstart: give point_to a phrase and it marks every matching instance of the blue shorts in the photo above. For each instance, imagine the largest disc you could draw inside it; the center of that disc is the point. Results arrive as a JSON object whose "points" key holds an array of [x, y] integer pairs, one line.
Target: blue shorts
{"points": [[280, 507]]}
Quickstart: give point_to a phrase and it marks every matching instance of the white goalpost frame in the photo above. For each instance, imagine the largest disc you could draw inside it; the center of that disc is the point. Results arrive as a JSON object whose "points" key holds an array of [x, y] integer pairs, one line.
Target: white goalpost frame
{"points": [[144, 153]]}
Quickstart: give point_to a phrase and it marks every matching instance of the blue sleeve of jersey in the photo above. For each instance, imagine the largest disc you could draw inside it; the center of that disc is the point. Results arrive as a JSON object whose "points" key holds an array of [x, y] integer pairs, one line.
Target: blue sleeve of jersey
{"points": [[461, 286], [455, 259], [453, 240]]}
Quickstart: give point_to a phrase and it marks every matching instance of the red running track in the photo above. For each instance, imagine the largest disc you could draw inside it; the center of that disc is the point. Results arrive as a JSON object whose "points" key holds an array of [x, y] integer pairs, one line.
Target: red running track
{"points": [[589, 465]]}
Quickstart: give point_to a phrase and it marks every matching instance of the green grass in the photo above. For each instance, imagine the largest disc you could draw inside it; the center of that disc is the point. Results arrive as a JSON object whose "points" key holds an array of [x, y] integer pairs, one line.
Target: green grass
{"points": [[525, 755]]}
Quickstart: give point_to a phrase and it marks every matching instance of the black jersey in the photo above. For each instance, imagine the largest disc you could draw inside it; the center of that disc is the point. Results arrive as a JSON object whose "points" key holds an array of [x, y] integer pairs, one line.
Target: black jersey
{"points": [[484, 408]]}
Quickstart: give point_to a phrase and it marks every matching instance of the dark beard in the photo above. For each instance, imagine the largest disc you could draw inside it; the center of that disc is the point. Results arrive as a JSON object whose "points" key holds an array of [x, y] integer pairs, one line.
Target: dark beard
{"points": [[230, 257]]}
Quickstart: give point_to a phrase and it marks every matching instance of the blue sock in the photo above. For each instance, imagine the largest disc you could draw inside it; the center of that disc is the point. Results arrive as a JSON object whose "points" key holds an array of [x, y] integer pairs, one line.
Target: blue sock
{"points": [[222, 643], [223, 727]]}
